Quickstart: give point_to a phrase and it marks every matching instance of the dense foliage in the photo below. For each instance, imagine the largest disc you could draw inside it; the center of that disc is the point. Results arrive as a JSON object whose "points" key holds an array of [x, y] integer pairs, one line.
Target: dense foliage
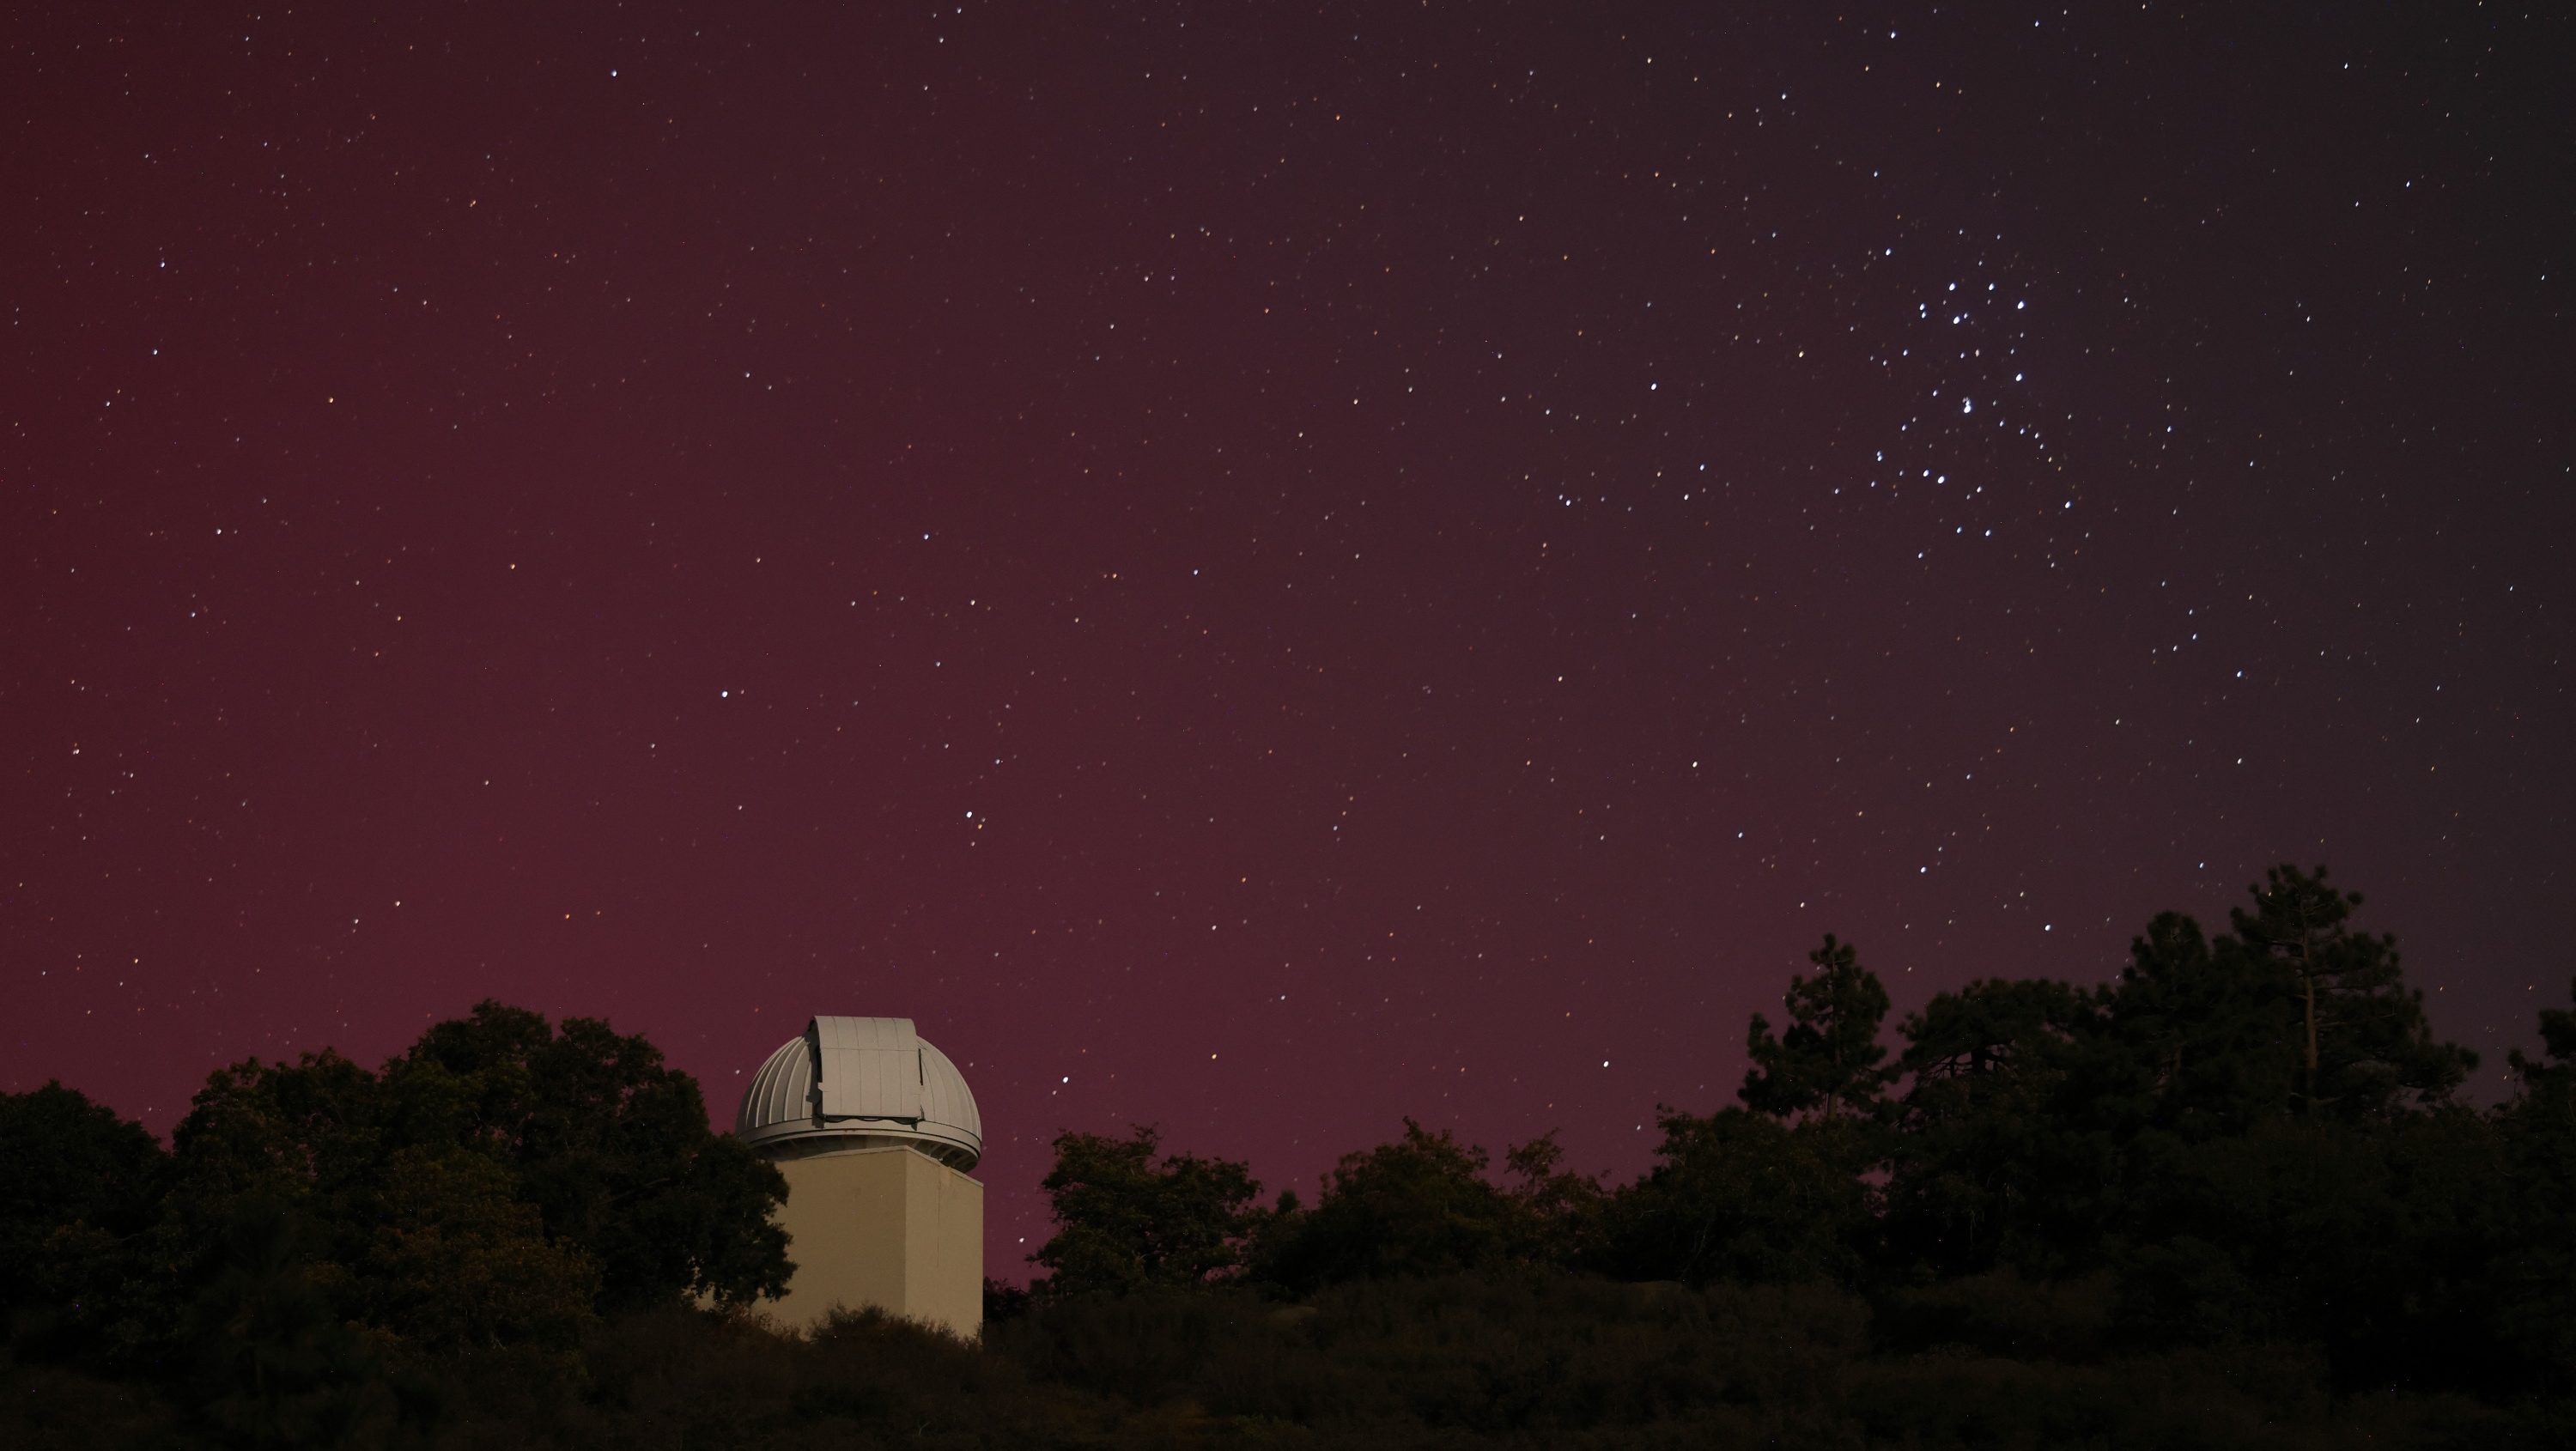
{"points": [[2232, 1198], [2248, 1141], [316, 1231], [1131, 1223]]}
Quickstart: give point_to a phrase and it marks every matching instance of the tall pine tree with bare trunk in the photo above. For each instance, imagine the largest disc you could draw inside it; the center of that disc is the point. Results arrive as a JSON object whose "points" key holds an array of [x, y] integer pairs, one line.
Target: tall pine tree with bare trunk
{"points": [[2365, 1046]]}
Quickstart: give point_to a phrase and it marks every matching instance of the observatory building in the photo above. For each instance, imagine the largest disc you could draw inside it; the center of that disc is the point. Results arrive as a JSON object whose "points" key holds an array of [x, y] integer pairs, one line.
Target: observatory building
{"points": [[875, 1131]]}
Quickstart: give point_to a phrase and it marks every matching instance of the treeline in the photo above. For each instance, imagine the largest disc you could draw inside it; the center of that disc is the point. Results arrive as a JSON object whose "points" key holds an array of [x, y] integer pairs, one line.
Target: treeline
{"points": [[2253, 1137], [2249, 1142], [319, 1239], [2232, 1198]]}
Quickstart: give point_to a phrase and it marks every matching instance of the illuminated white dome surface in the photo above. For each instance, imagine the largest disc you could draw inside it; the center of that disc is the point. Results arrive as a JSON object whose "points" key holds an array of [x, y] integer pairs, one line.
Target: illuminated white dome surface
{"points": [[860, 1083]]}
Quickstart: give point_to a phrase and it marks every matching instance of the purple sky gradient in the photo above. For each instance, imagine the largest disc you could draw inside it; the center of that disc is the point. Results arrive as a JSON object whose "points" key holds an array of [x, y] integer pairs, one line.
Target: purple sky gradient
{"points": [[1260, 575]]}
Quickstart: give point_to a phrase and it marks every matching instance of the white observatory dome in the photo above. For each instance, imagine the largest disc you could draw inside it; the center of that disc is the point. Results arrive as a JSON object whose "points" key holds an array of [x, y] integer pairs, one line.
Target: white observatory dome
{"points": [[860, 1083]]}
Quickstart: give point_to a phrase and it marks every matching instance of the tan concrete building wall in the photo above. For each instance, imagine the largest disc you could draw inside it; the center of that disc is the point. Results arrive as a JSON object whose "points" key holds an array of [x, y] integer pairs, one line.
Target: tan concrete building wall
{"points": [[945, 1227], [891, 1228]]}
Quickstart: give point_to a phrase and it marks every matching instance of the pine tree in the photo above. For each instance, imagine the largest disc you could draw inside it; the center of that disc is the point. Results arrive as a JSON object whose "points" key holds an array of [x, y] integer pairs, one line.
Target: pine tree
{"points": [[1829, 1057], [2364, 1040]]}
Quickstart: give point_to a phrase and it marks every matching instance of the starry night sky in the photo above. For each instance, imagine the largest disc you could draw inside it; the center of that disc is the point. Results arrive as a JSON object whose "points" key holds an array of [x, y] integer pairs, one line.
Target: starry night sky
{"points": [[1261, 569]]}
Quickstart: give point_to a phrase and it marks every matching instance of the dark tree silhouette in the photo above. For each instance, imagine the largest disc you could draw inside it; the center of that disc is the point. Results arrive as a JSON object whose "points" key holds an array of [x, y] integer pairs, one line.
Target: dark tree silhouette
{"points": [[1129, 1217], [1420, 1205], [67, 1164], [2201, 1039], [1995, 1164], [2365, 1044], [1740, 1197], [610, 1145], [1828, 1060]]}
